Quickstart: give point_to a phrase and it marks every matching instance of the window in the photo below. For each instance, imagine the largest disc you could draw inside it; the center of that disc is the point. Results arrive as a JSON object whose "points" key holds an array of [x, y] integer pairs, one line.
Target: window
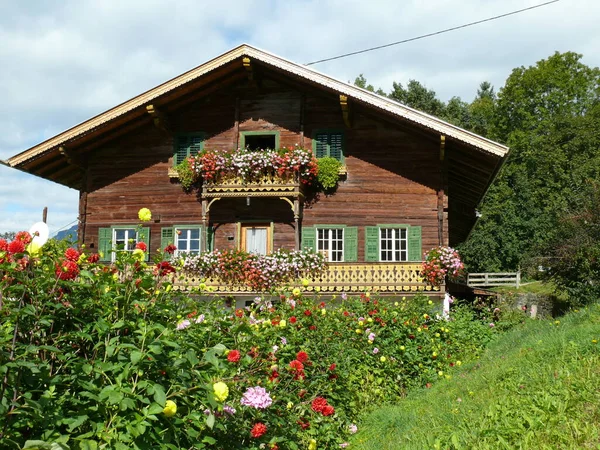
{"points": [[259, 140], [393, 243], [330, 242], [121, 238], [187, 238], [339, 243], [329, 143], [187, 241], [187, 145]]}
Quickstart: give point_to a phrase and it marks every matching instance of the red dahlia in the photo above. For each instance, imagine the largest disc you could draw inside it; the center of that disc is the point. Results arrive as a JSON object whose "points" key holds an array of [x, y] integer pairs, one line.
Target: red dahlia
{"points": [[3, 245], [234, 356], [24, 237], [142, 246], [293, 320], [296, 365], [302, 357], [71, 254], [318, 404], [93, 258], [170, 249], [307, 312], [258, 430], [328, 410], [67, 270], [16, 246]]}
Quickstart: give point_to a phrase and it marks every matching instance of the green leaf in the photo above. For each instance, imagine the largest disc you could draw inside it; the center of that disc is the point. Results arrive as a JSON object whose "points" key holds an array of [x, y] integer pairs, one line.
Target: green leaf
{"points": [[88, 445], [210, 421], [136, 356], [159, 395], [209, 440], [74, 423], [155, 408]]}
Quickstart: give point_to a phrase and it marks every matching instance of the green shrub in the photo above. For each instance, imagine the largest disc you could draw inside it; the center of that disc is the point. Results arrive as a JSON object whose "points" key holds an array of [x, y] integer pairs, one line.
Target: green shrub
{"points": [[329, 172]]}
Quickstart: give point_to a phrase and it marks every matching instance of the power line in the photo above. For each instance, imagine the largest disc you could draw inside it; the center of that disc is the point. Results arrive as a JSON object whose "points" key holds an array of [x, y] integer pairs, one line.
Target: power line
{"points": [[432, 34]]}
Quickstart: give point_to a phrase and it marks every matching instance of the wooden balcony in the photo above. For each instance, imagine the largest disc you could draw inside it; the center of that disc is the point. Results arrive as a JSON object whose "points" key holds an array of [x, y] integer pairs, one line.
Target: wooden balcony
{"points": [[384, 278], [265, 186]]}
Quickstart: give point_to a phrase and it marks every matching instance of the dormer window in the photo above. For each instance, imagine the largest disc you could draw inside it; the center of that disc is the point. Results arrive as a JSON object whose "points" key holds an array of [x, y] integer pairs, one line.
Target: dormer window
{"points": [[259, 140]]}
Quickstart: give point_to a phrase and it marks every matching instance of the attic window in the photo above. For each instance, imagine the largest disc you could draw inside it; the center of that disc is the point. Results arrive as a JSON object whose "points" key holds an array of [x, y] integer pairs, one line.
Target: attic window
{"points": [[258, 140]]}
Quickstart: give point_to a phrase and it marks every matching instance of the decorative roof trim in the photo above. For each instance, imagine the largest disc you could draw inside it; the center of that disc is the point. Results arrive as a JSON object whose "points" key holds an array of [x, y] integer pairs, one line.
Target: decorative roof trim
{"points": [[312, 75]]}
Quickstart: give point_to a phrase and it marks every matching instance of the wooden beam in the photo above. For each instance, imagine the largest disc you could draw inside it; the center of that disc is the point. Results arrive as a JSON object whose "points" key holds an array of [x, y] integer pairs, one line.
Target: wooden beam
{"points": [[345, 110], [160, 119], [248, 66], [442, 189]]}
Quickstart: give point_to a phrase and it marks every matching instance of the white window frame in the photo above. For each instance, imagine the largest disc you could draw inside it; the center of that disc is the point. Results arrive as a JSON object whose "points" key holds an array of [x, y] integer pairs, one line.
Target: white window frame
{"points": [[177, 235], [326, 244], [129, 242], [393, 237]]}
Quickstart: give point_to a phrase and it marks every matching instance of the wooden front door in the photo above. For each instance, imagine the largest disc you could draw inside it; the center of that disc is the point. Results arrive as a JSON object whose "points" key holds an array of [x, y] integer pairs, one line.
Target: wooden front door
{"points": [[256, 238]]}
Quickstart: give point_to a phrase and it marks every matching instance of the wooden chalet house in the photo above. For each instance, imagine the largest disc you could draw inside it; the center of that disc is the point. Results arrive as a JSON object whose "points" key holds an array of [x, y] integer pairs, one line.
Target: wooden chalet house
{"points": [[410, 181]]}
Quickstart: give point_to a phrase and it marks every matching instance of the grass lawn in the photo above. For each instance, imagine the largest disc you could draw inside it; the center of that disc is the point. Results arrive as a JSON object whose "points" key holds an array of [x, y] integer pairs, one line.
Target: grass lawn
{"points": [[536, 387]]}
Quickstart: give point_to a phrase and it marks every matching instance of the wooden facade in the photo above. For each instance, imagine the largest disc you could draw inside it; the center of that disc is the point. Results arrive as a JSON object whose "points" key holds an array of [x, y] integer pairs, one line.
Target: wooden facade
{"points": [[398, 173]]}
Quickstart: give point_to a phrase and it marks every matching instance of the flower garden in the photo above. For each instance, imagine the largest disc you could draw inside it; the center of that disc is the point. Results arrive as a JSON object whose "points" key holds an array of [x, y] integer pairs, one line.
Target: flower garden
{"points": [[95, 356]]}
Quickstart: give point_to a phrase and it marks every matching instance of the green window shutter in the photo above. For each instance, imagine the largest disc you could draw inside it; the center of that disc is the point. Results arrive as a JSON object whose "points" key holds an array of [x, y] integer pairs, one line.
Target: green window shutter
{"points": [[186, 146], [414, 244], [167, 236], [350, 244], [309, 238], [144, 236], [372, 244], [105, 243], [335, 145], [195, 145], [210, 239], [321, 145], [182, 149]]}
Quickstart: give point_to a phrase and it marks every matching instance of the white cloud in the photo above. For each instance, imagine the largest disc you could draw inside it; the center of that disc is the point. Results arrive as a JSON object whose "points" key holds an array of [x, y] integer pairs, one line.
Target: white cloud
{"points": [[64, 62]]}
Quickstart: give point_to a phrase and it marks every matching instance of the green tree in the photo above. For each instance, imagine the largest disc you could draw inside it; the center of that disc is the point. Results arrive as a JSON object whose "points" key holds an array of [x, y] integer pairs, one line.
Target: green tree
{"points": [[417, 96], [361, 82], [546, 114]]}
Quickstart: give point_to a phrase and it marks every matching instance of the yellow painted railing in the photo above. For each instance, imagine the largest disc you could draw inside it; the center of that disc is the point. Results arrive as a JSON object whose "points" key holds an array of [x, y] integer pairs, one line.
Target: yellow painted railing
{"points": [[386, 278]]}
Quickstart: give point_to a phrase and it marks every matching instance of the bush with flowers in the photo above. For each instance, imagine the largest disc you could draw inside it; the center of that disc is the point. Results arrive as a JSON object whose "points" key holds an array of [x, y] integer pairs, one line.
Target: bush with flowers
{"points": [[110, 356], [259, 272], [440, 263], [217, 166]]}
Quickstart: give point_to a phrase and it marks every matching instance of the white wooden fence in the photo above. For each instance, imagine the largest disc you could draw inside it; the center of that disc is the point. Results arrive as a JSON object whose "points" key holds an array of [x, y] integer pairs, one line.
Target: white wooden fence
{"points": [[494, 279]]}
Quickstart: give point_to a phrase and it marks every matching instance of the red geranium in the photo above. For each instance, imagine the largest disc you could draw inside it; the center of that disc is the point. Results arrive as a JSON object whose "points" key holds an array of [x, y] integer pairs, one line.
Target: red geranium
{"points": [[293, 320], [234, 356], [71, 254], [142, 246], [258, 430], [307, 313], [318, 404], [302, 357]]}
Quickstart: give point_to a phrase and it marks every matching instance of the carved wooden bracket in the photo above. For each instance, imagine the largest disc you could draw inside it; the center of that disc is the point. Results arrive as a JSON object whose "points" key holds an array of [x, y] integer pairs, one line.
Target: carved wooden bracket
{"points": [[160, 119], [442, 147], [248, 66], [345, 110], [69, 157]]}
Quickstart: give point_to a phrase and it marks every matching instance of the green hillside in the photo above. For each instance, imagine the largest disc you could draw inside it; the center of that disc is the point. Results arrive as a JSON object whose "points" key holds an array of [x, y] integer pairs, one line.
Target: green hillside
{"points": [[537, 387]]}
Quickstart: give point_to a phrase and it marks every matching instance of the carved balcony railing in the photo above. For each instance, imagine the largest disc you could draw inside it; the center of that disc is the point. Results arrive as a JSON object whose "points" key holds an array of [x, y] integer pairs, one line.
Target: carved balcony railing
{"points": [[266, 185], [385, 278]]}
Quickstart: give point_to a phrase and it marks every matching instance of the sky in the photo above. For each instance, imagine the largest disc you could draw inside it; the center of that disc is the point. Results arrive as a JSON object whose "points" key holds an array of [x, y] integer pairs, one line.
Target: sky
{"points": [[62, 63]]}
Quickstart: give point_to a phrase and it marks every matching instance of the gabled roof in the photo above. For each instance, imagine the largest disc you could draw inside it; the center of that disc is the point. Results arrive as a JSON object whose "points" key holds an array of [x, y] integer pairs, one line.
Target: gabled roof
{"points": [[425, 120]]}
